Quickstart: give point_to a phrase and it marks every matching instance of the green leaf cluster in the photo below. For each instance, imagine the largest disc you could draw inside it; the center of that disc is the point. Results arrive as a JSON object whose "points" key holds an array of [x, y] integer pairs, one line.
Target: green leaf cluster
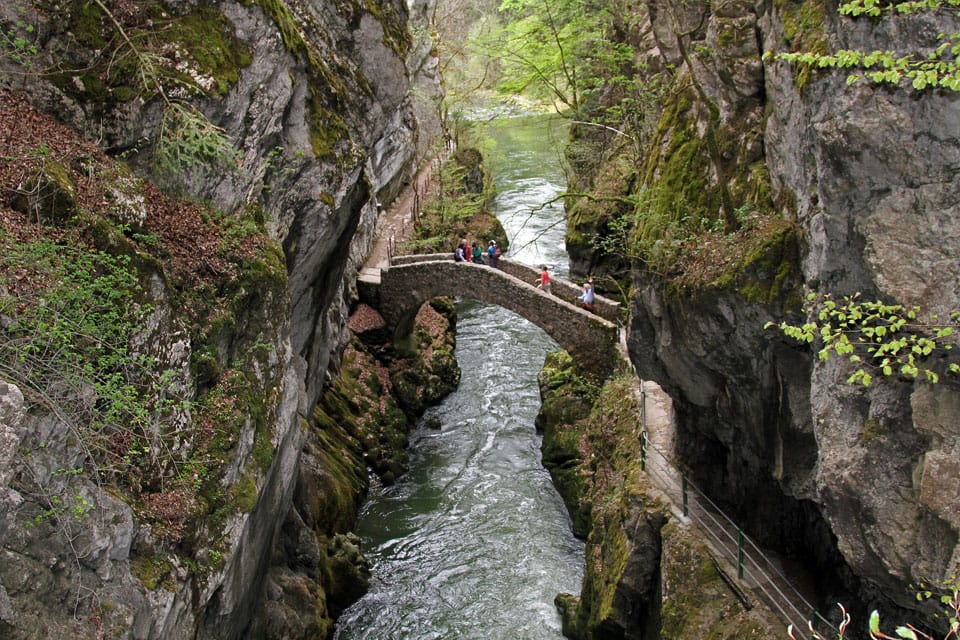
{"points": [[17, 41], [929, 67], [188, 140], [543, 47], [69, 348], [876, 337]]}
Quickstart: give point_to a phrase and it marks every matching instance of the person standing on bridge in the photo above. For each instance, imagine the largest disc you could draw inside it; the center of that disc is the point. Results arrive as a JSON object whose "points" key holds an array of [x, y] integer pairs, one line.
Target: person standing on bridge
{"points": [[587, 296], [477, 253], [543, 282], [493, 251]]}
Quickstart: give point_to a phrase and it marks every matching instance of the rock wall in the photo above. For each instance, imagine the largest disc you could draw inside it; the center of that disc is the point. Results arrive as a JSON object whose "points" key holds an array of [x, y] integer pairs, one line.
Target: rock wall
{"points": [[315, 97], [648, 575], [856, 481]]}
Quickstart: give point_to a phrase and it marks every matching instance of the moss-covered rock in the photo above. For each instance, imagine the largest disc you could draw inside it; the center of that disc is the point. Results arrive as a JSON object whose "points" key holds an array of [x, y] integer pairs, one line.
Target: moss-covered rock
{"points": [[566, 402], [637, 582], [49, 194], [697, 601]]}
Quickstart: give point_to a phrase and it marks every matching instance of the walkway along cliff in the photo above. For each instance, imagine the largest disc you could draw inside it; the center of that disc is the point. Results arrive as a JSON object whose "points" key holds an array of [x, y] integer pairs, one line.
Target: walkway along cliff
{"points": [[759, 183]]}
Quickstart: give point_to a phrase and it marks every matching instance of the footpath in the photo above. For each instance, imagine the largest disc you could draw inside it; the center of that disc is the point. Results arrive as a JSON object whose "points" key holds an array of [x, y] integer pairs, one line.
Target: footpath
{"points": [[396, 223]]}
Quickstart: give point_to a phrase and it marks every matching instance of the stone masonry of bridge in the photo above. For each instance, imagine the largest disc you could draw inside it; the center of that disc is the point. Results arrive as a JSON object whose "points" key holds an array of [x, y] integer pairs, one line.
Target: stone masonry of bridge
{"points": [[590, 339]]}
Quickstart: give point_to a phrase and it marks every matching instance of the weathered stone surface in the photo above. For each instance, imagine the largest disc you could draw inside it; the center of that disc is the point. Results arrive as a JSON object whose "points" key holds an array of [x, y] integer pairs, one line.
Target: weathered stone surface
{"points": [[857, 481], [322, 140]]}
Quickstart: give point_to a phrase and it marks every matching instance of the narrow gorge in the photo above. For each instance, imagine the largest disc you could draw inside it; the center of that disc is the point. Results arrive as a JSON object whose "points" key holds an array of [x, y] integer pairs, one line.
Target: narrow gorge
{"points": [[193, 403]]}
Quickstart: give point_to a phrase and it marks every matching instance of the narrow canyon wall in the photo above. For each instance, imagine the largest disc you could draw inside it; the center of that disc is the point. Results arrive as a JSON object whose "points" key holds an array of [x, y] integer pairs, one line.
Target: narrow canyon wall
{"points": [[315, 97], [860, 482]]}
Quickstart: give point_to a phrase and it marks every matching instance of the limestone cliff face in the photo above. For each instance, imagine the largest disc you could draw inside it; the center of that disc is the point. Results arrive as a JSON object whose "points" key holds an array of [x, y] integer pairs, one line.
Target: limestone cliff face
{"points": [[315, 96], [861, 482]]}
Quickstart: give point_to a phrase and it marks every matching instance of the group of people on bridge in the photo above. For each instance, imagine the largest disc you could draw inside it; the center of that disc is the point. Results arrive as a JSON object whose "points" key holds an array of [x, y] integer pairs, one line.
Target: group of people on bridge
{"points": [[475, 253]]}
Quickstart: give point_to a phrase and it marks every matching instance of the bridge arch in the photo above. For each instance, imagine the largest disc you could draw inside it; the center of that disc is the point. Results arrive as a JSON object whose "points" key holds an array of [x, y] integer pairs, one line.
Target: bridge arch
{"points": [[592, 341]]}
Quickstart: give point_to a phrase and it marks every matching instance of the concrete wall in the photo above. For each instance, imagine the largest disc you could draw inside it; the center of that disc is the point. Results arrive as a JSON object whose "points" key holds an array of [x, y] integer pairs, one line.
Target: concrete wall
{"points": [[590, 339]]}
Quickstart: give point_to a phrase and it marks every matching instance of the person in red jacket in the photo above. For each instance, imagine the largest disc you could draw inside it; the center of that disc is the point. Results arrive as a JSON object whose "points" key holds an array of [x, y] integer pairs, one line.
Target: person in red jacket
{"points": [[543, 282]]}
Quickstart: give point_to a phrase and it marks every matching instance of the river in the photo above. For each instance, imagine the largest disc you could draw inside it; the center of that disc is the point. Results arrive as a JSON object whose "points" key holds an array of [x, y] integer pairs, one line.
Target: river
{"points": [[474, 542]]}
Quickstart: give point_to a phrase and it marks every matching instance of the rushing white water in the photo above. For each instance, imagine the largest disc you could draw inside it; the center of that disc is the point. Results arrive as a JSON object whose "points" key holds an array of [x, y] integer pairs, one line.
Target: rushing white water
{"points": [[474, 542]]}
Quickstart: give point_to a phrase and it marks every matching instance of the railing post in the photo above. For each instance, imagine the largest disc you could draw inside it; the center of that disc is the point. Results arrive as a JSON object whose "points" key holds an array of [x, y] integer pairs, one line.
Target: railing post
{"points": [[686, 508], [739, 553], [643, 450], [643, 408]]}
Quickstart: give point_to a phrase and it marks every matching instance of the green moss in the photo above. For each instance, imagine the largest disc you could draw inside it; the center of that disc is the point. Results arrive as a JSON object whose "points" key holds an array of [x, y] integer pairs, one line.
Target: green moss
{"points": [[696, 599], [770, 268], [675, 175], [567, 402], [287, 23], [87, 24], [52, 196], [591, 216], [611, 551], [395, 33], [327, 128], [151, 570], [207, 37], [728, 35], [872, 429], [804, 29], [205, 367], [243, 493], [204, 38], [263, 450]]}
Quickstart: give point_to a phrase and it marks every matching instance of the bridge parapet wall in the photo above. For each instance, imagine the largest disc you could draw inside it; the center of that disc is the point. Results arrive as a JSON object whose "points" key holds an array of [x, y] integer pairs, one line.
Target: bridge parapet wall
{"points": [[562, 288], [591, 340]]}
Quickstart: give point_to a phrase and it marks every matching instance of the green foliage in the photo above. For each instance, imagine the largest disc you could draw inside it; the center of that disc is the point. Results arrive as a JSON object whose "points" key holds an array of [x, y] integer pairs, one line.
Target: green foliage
{"points": [[877, 338], [933, 65], [543, 49], [16, 41], [457, 208], [947, 593], [188, 140], [69, 346]]}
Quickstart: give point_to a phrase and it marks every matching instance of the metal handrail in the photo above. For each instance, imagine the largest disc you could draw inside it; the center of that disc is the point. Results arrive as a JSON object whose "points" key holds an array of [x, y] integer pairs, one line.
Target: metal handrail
{"points": [[744, 550]]}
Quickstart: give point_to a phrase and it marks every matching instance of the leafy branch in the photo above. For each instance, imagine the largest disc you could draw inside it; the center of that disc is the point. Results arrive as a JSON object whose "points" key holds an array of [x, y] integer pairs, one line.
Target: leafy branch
{"points": [[878, 338], [937, 68]]}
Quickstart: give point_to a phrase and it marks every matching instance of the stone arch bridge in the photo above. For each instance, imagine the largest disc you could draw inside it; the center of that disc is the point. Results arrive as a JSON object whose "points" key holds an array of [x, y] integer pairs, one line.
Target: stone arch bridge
{"points": [[399, 290]]}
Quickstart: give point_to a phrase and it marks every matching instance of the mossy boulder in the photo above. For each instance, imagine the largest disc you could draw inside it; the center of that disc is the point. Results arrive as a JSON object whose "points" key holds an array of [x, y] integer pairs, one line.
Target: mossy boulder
{"points": [[566, 402], [49, 194], [697, 601]]}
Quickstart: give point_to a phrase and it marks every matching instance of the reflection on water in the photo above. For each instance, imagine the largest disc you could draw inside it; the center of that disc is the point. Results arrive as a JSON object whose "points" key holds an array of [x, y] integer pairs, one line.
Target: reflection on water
{"points": [[474, 542]]}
